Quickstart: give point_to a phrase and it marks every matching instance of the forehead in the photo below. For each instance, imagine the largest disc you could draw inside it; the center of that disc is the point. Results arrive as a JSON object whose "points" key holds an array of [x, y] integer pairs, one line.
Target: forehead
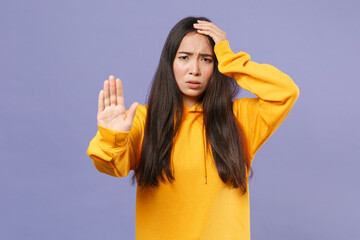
{"points": [[195, 42]]}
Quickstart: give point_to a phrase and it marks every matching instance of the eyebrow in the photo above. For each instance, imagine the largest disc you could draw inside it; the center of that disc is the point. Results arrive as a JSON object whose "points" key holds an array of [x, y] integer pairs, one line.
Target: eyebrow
{"points": [[201, 54]]}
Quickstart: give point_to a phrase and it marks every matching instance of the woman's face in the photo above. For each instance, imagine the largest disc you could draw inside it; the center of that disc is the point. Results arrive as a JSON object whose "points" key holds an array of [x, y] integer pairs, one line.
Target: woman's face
{"points": [[193, 66]]}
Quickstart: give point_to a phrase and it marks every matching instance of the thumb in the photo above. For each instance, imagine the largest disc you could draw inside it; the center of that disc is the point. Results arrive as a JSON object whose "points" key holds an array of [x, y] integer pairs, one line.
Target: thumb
{"points": [[132, 111]]}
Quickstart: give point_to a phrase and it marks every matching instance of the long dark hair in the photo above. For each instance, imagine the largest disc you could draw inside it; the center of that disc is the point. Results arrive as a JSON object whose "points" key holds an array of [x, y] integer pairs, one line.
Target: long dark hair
{"points": [[165, 113]]}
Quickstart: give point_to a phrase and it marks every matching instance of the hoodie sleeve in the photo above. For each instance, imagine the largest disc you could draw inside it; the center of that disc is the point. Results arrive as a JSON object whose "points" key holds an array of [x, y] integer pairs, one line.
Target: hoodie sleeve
{"points": [[276, 94], [116, 153]]}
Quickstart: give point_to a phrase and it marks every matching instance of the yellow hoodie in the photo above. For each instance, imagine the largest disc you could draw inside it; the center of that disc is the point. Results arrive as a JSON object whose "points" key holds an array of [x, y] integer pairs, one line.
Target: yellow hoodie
{"points": [[198, 205]]}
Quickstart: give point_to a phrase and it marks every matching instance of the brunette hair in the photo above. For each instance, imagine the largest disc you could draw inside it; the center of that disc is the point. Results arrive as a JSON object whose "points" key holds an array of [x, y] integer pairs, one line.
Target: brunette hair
{"points": [[165, 113]]}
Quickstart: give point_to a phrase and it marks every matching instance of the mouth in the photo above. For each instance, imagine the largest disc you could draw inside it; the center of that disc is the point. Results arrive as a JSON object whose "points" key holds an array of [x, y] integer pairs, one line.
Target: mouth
{"points": [[193, 84]]}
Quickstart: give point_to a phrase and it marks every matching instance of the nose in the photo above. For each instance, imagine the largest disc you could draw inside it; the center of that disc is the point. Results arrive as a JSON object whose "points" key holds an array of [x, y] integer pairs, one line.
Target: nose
{"points": [[194, 68]]}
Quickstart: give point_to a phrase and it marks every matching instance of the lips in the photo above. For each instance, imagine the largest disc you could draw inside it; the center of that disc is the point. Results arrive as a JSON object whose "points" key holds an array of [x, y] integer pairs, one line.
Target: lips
{"points": [[193, 84], [193, 81]]}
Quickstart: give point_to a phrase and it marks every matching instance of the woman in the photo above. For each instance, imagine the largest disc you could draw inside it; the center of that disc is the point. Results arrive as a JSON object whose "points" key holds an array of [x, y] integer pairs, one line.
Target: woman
{"points": [[191, 147]]}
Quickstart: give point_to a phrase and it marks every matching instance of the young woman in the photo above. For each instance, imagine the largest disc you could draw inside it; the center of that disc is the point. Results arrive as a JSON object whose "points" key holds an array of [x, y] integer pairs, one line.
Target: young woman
{"points": [[191, 147]]}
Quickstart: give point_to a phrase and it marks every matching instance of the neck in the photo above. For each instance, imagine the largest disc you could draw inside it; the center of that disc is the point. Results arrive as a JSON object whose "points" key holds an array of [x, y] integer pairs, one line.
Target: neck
{"points": [[189, 101]]}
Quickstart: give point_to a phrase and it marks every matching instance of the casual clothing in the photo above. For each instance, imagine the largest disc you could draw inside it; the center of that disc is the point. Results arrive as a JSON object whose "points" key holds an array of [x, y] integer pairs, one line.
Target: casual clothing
{"points": [[198, 204]]}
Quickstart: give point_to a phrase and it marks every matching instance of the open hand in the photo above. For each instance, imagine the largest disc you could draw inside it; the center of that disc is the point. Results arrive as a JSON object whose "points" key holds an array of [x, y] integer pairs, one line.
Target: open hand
{"points": [[111, 109]]}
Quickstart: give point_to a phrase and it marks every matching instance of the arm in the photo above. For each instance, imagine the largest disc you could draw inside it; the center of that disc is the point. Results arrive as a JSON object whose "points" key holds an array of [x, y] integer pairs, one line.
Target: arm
{"points": [[116, 153], [116, 146], [276, 92]]}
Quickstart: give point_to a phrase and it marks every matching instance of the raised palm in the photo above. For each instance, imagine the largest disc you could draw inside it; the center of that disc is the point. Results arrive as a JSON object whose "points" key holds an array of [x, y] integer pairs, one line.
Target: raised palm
{"points": [[111, 109]]}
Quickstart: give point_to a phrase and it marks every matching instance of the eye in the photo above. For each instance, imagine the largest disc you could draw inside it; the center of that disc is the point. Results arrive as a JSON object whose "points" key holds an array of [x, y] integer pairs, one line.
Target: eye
{"points": [[207, 60], [183, 57]]}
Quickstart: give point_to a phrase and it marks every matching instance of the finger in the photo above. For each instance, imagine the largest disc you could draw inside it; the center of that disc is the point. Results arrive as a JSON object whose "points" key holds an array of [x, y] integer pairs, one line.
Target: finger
{"points": [[106, 94], [132, 112], [206, 23], [206, 32], [119, 93], [112, 90], [201, 26], [207, 26], [101, 102]]}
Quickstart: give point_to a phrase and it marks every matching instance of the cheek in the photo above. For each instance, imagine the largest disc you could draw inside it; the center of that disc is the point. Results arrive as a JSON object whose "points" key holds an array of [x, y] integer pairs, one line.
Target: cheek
{"points": [[179, 70], [208, 73]]}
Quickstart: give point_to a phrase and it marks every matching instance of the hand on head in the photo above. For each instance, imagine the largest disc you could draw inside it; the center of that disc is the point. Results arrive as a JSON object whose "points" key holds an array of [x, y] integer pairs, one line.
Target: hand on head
{"points": [[210, 29]]}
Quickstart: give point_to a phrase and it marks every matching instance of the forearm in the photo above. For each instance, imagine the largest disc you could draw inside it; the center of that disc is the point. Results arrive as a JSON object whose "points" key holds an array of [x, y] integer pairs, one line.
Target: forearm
{"points": [[112, 152], [265, 81], [275, 90]]}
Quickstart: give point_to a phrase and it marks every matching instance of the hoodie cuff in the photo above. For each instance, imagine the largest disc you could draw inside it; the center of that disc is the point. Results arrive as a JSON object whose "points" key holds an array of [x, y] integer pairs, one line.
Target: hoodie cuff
{"points": [[222, 49], [112, 138]]}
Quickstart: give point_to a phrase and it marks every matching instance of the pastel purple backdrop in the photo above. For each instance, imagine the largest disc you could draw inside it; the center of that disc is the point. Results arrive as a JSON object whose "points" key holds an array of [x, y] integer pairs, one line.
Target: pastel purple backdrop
{"points": [[55, 55]]}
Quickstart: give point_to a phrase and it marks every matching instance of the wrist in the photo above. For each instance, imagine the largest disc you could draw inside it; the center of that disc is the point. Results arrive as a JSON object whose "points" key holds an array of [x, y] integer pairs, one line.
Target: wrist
{"points": [[112, 138]]}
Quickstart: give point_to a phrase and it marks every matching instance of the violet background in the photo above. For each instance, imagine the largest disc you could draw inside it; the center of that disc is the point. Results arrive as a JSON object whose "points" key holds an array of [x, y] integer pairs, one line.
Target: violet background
{"points": [[55, 55]]}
